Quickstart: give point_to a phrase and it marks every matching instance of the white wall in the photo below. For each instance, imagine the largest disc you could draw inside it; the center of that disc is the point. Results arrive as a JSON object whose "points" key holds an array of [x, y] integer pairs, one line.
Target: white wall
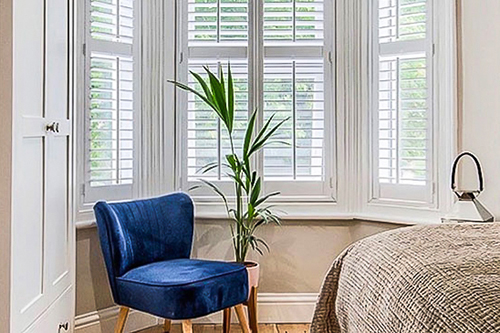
{"points": [[481, 125], [5, 158]]}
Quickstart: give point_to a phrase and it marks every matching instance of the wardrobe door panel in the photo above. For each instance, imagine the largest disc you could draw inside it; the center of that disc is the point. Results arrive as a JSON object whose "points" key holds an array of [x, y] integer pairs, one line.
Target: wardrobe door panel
{"points": [[28, 57], [29, 222], [58, 148], [56, 63], [57, 252], [42, 241]]}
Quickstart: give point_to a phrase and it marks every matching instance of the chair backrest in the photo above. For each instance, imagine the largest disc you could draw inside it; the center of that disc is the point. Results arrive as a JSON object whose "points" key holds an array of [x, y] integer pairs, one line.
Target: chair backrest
{"points": [[139, 232]]}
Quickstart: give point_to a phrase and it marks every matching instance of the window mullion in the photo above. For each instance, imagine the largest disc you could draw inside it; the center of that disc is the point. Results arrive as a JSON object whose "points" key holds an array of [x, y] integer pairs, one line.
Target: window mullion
{"points": [[294, 120], [118, 120], [398, 120], [256, 63], [219, 149]]}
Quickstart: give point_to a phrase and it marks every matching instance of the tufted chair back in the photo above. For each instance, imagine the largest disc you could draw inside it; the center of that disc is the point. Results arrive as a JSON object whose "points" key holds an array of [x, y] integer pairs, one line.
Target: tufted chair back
{"points": [[140, 232]]}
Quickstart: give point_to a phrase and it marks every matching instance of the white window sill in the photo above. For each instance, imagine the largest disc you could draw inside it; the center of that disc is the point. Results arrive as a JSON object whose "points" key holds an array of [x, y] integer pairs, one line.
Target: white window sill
{"points": [[308, 211]]}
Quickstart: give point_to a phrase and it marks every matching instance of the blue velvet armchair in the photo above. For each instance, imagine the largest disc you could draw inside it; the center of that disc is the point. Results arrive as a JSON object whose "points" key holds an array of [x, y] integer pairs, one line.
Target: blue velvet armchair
{"points": [[147, 245]]}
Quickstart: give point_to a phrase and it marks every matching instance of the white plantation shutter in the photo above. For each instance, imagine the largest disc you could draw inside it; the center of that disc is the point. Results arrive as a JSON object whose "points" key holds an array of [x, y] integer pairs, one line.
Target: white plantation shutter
{"points": [[217, 31], [296, 75], [403, 121], [289, 80], [110, 100]]}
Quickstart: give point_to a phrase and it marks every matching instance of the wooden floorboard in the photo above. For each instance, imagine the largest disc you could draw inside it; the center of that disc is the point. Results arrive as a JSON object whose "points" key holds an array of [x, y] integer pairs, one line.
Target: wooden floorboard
{"points": [[235, 328]]}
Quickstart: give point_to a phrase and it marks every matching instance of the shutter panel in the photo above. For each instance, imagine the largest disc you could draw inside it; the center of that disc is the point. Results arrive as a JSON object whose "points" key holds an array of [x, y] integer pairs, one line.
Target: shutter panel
{"points": [[403, 121], [294, 86], [110, 104], [207, 138], [233, 24], [111, 120], [401, 20], [217, 21], [278, 99], [203, 21], [309, 21], [295, 90], [217, 32], [293, 21], [403, 154], [112, 20]]}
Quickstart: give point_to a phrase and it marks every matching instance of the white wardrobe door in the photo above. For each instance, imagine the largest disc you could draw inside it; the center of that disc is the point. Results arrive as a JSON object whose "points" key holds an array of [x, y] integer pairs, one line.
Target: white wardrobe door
{"points": [[42, 236]]}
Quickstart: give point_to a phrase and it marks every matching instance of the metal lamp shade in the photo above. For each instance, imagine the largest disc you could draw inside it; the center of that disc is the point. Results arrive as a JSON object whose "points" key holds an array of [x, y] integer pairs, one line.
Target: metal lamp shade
{"points": [[467, 208]]}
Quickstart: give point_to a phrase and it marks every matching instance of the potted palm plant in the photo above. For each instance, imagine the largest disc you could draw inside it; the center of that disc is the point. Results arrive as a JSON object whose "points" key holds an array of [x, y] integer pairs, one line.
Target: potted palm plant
{"points": [[249, 209]]}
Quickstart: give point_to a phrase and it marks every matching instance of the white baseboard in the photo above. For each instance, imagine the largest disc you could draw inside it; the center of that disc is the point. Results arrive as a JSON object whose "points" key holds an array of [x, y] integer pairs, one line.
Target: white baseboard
{"points": [[103, 321], [273, 308]]}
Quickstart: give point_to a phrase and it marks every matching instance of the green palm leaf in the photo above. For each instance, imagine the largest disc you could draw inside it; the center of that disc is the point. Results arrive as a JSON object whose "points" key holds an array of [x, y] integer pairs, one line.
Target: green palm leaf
{"points": [[230, 94]]}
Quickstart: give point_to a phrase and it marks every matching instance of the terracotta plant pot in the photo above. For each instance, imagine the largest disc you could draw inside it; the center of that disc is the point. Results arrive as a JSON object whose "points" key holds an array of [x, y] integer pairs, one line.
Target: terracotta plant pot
{"points": [[253, 269]]}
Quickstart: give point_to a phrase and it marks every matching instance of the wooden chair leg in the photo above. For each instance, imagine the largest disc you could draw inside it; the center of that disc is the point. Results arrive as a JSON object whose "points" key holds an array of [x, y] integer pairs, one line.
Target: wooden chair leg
{"points": [[122, 319], [252, 310], [187, 326], [242, 318], [167, 325], [226, 324]]}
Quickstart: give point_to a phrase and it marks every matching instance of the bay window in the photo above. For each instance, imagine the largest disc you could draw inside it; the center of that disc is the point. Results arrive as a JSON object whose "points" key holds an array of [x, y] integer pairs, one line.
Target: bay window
{"points": [[367, 88]]}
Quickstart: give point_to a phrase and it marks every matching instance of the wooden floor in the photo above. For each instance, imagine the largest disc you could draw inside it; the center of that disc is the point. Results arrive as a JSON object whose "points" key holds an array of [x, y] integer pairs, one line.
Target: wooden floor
{"points": [[263, 328]]}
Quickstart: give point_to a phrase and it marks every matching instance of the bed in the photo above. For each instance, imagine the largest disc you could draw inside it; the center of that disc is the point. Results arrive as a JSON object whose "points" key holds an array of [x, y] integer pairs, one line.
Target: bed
{"points": [[439, 278]]}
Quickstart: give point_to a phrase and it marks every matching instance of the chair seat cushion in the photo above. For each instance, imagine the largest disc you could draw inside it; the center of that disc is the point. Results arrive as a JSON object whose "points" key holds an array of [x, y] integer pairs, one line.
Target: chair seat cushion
{"points": [[183, 288]]}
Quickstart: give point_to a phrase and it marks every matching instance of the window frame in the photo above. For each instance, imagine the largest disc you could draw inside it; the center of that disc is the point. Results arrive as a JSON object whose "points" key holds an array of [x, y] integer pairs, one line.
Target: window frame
{"points": [[443, 133], [414, 195], [308, 190]]}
